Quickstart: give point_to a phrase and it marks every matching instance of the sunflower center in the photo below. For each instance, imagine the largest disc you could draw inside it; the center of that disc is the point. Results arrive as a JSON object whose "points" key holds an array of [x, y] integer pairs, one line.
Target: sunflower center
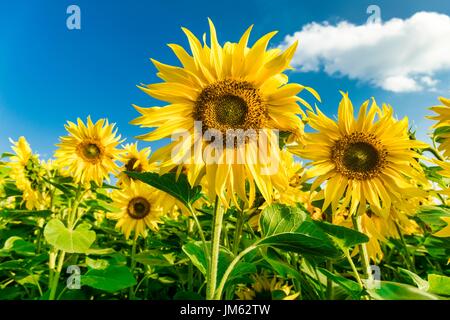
{"points": [[90, 151], [230, 104], [359, 156], [130, 166], [138, 208], [231, 110]]}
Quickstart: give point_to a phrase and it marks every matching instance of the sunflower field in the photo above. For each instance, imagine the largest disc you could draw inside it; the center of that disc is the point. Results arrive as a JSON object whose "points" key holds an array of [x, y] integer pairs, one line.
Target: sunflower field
{"points": [[259, 195]]}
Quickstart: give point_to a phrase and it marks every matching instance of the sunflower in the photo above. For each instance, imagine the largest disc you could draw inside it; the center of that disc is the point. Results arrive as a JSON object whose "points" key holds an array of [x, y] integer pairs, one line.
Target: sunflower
{"points": [[138, 205], [379, 229], [217, 91], [27, 172], [266, 288], [89, 152], [134, 160], [294, 193], [443, 124], [366, 161]]}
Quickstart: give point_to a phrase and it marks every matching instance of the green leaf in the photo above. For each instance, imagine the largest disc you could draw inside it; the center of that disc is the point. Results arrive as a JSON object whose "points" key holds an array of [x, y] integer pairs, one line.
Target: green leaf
{"points": [[350, 286], [153, 259], [97, 263], [20, 214], [176, 187], [289, 228], [302, 243], [281, 267], [196, 253], [438, 247], [240, 270], [420, 283], [19, 246], [388, 290], [111, 279], [439, 284], [11, 265], [99, 252], [71, 241], [32, 279], [6, 155], [431, 216], [279, 218], [344, 237]]}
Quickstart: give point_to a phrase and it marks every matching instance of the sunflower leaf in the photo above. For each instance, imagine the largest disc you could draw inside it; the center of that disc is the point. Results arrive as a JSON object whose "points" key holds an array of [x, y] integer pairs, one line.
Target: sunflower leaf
{"points": [[439, 284], [289, 228], [344, 237], [110, 279], [350, 286], [178, 187], [388, 290], [279, 218], [71, 241]]}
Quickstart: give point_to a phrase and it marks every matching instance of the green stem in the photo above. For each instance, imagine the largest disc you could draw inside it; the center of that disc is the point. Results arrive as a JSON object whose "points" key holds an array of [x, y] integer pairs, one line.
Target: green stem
{"points": [[329, 263], [200, 229], [39, 240], [355, 271], [215, 249], [408, 259], [230, 268], [238, 231], [190, 263], [56, 275], [74, 212], [132, 293], [363, 253]]}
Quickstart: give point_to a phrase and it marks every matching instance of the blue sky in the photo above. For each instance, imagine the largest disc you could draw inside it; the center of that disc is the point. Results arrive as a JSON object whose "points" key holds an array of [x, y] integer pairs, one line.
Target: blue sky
{"points": [[49, 74]]}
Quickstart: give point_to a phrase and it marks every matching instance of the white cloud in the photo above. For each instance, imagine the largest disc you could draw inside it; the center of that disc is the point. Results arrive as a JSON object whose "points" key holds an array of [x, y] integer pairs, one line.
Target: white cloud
{"points": [[397, 55]]}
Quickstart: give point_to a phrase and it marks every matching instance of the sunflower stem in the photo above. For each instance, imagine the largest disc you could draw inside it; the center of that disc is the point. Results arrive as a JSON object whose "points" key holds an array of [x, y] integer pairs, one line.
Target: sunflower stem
{"points": [[202, 236], [363, 253], [215, 249], [190, 264], [131, 294], [56, 275], [230, 268], [329, 263], [355, 271], [408, 258], [238, 231]]}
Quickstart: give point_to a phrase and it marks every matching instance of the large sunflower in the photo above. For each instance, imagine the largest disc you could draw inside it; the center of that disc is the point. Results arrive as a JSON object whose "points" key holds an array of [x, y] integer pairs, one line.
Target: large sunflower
{"points": [[139, 208], [366, 161], [443, 123], [27, 173], [89, 152], [225, 88]]}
